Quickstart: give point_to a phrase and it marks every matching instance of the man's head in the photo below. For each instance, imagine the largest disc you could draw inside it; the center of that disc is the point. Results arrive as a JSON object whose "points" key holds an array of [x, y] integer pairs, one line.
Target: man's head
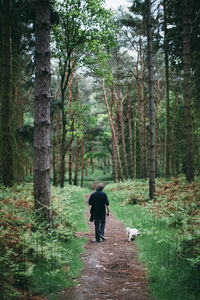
{"points": [[100, 187]]}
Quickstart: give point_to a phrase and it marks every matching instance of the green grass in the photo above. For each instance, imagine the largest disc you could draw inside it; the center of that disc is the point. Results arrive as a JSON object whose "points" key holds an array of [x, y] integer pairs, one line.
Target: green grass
{"points": [[33, 259], [160, 247]]}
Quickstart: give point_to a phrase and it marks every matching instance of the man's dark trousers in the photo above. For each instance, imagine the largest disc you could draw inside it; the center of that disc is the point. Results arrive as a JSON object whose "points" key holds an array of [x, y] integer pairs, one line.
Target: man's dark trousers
{"points": [[99, 223]]}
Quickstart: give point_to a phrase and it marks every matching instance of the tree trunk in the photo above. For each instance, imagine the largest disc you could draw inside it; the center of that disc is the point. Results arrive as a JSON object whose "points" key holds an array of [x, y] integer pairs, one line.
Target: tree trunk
{"points": [[82, 160], [173, 151], [71, 130], [135, 145], [6, 96], [167, 140], [42, 195], [187, 91], [113, 133], [143, 117], [55, 179], [63, 141], [130, 138], [151, 104], [120, 112], [158, 117], [114, 154], [76, 162]]}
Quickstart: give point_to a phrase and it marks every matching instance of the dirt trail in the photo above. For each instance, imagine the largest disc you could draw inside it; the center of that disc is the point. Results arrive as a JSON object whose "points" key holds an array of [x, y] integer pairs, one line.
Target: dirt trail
{"points": [[111, 269]]}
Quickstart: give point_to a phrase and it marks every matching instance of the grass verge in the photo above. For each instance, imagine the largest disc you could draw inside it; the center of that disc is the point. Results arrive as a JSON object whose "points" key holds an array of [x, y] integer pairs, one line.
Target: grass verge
{"points": [[164, 244]]}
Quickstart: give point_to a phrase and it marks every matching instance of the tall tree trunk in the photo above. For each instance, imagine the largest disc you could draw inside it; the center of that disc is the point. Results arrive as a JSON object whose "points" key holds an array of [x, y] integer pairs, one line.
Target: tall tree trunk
{"points": [[173, 150], [186, 7], [55, 179], [63, 141], [82, 160], [151, 104], [121, 118], [113, 132], [130, 138], [158, 117], [135, 145], [114, 154], [76, 161], [143, 117], [167, 140], [6, 95], [71, 130], [42, 195], [58, 144]]}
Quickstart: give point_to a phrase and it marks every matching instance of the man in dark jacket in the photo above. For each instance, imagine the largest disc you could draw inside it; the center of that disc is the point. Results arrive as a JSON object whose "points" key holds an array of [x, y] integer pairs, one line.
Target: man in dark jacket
{"points": [[99, 206]]}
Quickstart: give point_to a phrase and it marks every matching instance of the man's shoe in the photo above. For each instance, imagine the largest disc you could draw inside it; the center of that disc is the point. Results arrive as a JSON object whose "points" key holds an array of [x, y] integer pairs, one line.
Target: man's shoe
{"points": [[102, 237], [95, 241]]}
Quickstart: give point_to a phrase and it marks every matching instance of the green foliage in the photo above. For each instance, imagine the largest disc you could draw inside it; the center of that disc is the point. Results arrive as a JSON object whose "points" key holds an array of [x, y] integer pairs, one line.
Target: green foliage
{"points": [[36, 259], [169, 241]]}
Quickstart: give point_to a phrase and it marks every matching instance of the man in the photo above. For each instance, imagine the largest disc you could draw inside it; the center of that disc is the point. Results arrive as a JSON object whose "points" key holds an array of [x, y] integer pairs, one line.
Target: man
{"points": [[99, 206]]}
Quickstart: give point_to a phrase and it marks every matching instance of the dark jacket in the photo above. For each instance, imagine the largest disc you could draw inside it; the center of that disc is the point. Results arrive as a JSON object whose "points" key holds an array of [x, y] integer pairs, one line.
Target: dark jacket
{"points": [[98, 200]]}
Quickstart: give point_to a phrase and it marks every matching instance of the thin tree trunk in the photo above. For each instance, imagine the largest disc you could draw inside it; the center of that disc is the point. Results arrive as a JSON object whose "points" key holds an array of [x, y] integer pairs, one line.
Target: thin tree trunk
{"points": [[58, 142], [82, 160], [158, 111], [167, 140], [130, 138], [6, 104], [173, 152], [187, 90], [151, 104], [55, 179], [139, 114], [114, 155], [135, 146], [76, 161], [42, 112], [113, 132], [71, 130], [143, 118], [120, 112], [63, 141]]}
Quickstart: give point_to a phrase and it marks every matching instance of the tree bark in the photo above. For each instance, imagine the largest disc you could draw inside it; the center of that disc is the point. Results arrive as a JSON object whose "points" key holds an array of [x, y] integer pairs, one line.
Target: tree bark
{"points": [[151, 104], [167, 138], [114, 155], [113, 132], [71, 130], [135, 145], [76, 161], [55, 179], [121, 118], [187, 91], [6, 96], [42, 195], [130, 138], [157, 128], [82, 160]]}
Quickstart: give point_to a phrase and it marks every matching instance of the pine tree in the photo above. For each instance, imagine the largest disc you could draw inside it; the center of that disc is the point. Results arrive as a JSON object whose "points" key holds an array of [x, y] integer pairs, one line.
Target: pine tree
{"points": [[42, 111]]}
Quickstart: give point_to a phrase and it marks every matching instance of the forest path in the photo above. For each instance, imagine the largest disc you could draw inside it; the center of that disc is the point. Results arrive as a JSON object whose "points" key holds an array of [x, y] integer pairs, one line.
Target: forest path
{"points": [[111, 269]]}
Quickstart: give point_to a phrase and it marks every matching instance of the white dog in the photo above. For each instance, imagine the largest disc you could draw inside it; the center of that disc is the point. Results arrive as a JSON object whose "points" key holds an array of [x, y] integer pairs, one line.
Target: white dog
{"points": [[131, 233]]}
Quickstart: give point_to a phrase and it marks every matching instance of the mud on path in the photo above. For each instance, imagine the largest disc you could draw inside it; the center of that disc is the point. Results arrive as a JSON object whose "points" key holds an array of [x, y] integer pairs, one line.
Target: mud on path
{"points": [[111, 269]]}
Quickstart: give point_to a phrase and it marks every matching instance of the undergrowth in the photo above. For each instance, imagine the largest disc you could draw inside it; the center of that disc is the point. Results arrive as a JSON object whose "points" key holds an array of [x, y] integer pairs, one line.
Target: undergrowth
{"points": [[34, 260], [169, 243]]}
